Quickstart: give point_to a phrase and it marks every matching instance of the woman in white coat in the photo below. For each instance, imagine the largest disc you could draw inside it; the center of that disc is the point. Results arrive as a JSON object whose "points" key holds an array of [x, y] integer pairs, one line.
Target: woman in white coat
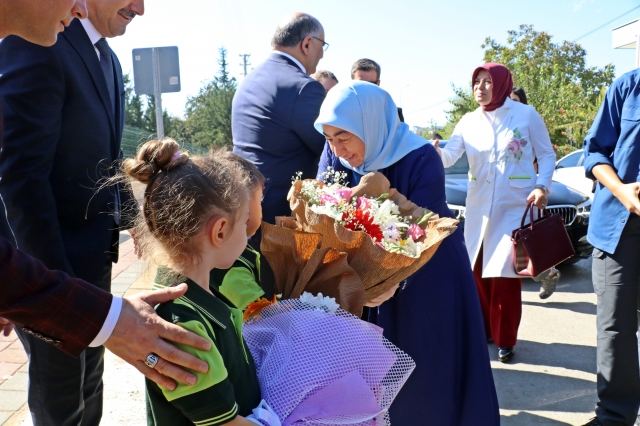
{"points": [[501, 138]]}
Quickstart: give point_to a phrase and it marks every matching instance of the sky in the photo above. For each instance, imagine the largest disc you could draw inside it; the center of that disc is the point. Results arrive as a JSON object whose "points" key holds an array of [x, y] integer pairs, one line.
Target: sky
{"points": [[423, 46]]}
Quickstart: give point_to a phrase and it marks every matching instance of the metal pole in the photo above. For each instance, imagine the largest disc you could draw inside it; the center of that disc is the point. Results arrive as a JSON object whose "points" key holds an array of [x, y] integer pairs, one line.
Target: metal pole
{"points": [[157, 94]]}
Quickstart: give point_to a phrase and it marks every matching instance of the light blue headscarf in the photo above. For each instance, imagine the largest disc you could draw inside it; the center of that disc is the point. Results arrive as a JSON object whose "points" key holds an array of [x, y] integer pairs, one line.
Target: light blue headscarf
{"points": [[368, 112]]}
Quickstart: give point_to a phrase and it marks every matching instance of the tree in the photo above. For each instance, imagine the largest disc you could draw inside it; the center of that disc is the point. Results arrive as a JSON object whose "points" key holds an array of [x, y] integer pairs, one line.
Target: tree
{"points": [[555, 77], [134, 110], [208, 115]]}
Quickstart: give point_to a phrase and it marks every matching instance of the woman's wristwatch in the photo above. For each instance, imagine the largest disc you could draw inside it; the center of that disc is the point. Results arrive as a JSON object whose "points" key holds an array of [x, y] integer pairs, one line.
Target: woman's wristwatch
{"points": [[544, 188]]}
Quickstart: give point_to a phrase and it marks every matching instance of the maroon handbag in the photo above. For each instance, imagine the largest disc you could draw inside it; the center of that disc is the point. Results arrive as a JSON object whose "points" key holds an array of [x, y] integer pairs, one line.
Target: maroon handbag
{"points": [[541, 244]]}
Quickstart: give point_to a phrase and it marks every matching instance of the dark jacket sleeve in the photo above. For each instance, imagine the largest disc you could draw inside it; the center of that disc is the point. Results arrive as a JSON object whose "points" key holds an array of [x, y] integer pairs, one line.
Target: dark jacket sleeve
{"points": [[32, 96], [60, 310], [305, 113]]}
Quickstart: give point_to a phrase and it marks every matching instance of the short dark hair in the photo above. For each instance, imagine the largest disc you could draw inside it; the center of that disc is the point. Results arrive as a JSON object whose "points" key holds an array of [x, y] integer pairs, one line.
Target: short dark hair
{"points": [[365, 64], [519, 91], [291, 33], [435, 135], [319, 75], [255, 177]]}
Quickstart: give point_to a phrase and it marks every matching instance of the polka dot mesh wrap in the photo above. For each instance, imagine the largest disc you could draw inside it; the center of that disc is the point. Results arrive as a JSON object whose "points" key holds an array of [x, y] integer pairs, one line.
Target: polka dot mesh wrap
{"points": [[323, 366]]}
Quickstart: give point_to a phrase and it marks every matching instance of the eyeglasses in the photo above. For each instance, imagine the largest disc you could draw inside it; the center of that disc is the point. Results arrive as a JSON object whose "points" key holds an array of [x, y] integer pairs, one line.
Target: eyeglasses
{"points": [[325, 45]]}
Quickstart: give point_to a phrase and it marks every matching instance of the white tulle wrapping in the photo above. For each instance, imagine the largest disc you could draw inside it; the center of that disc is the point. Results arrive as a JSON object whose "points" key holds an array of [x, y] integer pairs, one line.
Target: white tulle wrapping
{"points": [[323, 366]]}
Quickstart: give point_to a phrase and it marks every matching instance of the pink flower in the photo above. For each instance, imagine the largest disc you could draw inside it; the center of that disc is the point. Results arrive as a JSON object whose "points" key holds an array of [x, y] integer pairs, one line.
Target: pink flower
{"points": [[415, 232], [363, 203], [326, 198], [345, 194], [513, 146]]}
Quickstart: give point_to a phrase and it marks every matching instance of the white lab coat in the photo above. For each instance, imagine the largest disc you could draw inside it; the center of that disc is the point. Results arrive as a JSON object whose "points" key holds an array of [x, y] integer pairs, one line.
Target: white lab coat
{"points": [[499, 183]]}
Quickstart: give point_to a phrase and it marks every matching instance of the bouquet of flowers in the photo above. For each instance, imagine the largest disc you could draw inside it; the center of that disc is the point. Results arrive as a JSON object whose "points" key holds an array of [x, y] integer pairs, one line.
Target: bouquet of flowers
{"points": [[319, 365], [386, 238], [380, 217]]}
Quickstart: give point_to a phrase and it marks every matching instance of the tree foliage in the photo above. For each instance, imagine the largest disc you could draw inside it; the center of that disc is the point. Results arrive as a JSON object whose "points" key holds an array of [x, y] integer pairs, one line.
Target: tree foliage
{"points": [[208, 114], [555, 77]]}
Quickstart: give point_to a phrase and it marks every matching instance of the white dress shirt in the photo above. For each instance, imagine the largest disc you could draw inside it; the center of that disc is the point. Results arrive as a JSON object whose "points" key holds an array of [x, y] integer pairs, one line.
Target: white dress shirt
{"points": [[93, 34]]}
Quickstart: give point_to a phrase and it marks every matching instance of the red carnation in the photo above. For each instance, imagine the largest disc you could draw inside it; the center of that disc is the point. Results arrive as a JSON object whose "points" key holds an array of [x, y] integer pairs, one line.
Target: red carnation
{"points": [[362, 221]]}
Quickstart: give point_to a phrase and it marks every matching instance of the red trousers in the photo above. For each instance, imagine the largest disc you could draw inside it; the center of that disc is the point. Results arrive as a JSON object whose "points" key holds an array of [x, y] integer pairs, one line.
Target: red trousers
{"points": [[501, 301]]}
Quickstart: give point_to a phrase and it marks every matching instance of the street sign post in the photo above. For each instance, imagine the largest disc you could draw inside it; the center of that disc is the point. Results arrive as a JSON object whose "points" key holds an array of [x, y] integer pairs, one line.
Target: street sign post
{"points": [[156, 70]]}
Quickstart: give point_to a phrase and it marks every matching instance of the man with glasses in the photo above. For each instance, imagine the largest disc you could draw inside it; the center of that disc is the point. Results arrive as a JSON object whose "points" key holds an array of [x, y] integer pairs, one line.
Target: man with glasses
{"points": [[369, 70], [275, 107]]}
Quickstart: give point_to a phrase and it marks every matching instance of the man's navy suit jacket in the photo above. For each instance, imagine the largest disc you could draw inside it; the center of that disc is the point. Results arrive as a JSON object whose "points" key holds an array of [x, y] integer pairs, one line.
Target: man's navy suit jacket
{"points": [[60, 138], [272, 120]]}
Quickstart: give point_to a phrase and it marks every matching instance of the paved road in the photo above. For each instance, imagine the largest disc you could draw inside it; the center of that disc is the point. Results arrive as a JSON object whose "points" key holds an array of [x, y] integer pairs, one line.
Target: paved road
{"points": [[551, 380]]}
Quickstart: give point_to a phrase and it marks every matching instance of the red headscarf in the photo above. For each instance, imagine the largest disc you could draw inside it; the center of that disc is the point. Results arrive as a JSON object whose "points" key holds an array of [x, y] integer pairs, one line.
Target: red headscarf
{"points": [[500, 80]]}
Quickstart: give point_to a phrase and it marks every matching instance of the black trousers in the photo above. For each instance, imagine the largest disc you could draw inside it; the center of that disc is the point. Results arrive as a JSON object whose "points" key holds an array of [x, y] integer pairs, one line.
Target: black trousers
{"points": [[63, 390], [616, 281]]}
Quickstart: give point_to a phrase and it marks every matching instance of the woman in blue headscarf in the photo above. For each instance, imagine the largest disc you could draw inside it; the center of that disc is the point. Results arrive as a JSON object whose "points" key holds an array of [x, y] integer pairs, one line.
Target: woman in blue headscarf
{"points": [[435, 316]]}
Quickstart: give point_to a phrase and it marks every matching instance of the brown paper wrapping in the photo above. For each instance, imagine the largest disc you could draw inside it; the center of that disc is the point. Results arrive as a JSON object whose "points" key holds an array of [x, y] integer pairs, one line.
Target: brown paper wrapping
{"points": [[311, 252], [299, 265], [378, 269]]}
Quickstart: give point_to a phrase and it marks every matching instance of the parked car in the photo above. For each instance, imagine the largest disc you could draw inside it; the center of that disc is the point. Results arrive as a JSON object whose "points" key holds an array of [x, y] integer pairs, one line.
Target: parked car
{"points": [[573, 205], [570, 171]]}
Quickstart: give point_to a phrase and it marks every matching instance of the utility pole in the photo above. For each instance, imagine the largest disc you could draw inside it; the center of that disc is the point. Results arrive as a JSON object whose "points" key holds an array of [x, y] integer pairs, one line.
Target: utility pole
{"points": [[245, 63]]}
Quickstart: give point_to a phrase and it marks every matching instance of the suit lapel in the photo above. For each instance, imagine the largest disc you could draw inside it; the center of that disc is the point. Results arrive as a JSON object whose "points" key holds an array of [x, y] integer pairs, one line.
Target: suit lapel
{"points": [[79, 40]]}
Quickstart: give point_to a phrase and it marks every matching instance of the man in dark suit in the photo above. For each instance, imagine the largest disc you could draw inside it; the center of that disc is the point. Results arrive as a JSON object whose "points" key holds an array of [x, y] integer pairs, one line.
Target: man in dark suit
{"points": [[274, 110], [64, 116], [69, 313]]}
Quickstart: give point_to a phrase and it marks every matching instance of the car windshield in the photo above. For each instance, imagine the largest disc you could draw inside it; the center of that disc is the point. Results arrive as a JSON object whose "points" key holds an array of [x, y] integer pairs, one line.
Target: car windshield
{"points": [[571, 160], [461, 167]]}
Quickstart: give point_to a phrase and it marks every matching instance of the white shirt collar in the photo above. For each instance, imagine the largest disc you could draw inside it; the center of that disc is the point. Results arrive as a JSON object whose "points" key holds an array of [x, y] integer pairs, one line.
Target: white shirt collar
{"points": [[93, 34], [297, 62]]}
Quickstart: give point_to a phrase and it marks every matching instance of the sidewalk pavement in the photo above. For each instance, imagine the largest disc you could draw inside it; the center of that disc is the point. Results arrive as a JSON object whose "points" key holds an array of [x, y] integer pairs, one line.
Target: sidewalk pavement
{"points": [[551, 380], [123, 384]]}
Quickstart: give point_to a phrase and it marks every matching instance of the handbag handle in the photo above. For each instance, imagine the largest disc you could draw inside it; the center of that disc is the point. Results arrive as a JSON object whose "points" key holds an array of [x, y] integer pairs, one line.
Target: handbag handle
{"points": [[529, 210]]}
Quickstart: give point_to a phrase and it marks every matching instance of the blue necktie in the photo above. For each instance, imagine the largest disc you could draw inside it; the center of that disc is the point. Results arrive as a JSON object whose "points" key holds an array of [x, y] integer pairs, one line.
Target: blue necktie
{"points": [[107, 68]]}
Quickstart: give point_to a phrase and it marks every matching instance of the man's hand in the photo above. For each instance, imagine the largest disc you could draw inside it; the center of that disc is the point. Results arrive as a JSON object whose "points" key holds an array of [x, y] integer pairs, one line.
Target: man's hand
{"points": [[382, 298], [5, 327], [436, 145], [627, 193], [140, 331], [629, 196]]}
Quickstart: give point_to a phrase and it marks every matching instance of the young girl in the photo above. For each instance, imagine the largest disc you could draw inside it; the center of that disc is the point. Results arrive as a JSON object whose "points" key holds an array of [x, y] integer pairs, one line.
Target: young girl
{"points": [[196, 211], [240, 283]]}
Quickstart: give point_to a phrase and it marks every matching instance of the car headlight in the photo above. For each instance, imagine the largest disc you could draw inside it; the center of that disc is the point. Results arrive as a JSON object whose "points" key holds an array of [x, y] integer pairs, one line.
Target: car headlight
{"points": [[584, 208]]}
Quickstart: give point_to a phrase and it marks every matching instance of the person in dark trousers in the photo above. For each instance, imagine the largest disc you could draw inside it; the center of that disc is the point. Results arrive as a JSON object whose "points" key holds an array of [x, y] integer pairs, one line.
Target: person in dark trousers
{"points": [[612, 156], [64, 117], [55, 307]]}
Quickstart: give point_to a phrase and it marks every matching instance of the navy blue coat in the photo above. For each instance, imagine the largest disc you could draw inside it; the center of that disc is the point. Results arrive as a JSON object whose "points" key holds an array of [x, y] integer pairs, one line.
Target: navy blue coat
{"points": [[435, 317], [272, 121], [61, 136]]}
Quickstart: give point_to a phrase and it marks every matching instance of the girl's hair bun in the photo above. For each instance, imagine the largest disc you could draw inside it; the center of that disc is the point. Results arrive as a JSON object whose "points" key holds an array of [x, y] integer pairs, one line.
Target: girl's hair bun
{"points": [[154, 157]]}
